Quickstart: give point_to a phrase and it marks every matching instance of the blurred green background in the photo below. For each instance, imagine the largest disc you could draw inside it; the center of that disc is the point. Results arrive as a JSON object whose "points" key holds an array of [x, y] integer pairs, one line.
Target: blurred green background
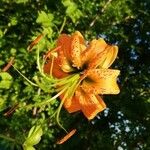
{"points": [[125, 125]]}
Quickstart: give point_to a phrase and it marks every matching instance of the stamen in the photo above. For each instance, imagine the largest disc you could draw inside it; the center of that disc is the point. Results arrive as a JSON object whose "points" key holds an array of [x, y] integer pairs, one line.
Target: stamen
{"points": [[50, 52], [11, 110], [67, 80], [52, 65], [40, 68], [45, 102], [25, 77], [35, 42], [71, 87], [59, 109], [38, 61], [8, 65], [65, 138]]}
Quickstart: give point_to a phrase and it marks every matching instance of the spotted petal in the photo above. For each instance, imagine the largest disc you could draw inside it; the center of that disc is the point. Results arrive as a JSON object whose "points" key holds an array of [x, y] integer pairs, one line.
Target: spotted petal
{"points": [[90, 104], [105, 58], [71, 104], [101, 81], [95, 48], [77, 46], [111, 55]]}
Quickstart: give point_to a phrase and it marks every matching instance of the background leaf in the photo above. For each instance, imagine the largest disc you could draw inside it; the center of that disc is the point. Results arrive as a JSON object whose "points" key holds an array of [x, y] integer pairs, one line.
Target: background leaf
{"points": [[5, 80]]}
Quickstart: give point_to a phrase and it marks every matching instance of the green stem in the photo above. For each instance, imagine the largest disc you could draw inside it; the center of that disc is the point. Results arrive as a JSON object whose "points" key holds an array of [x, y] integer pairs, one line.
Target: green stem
{"points": [[24, 77], [52, 65], [40, 67], [67, 80], [45, 102], [9, 139], [58, 111], [69, 94], [62, 26]]}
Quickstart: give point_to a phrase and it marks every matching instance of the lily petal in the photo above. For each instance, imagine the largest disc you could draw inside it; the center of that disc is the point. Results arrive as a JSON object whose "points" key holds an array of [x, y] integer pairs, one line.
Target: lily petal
{"points": [[101, 81], [56, 70], [77, 46], [64, 52], [71, 105], [81, 38], [106, 58], [90, 104], [64, 41], [95, 47]]}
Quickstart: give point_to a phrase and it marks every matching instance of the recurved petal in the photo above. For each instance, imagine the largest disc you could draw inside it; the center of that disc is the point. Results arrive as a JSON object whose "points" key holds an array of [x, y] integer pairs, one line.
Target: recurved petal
{"points": [[90, 104], [95, 47], [81, 38], [77, 46], [101, 81], [64, 41], [71, 104], [105, 58], [111, 55]]}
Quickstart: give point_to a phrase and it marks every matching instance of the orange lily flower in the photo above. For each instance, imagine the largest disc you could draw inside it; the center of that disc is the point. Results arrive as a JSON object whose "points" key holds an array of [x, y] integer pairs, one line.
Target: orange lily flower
{"points": [[82, 70]]}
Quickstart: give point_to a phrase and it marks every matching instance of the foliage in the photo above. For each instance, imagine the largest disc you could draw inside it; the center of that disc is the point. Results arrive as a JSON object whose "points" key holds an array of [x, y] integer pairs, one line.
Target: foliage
{"points": [[33, 138], [126, 122]]}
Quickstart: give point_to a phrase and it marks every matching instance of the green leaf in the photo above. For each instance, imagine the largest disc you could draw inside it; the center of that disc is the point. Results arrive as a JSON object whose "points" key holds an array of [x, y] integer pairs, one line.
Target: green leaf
{"points": [[34, 136], [45, 19], [5, 80], [2, 104], [72, 10], [1, 63], [21, 1], [28, 147], [13, 21], [148, 100], [48, 31]]}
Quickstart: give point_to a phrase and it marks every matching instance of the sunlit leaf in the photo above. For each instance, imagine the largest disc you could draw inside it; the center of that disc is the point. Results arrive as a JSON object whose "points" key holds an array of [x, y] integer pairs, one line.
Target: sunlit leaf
{"points": [[45, 19], [34, 136], [5, 80]]}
